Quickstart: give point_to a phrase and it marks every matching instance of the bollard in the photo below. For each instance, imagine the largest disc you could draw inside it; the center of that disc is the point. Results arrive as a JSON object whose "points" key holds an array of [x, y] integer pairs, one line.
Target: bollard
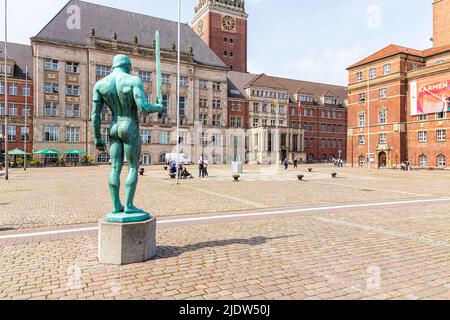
{"points": [[236, 177], [334, 175], [141, 171], [310, 169], [300, 177]]}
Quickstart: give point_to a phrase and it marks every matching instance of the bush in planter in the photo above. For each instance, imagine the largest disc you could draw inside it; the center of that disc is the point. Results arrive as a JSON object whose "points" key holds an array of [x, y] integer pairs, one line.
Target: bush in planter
{"points": [[20, 162], [35, 162]]}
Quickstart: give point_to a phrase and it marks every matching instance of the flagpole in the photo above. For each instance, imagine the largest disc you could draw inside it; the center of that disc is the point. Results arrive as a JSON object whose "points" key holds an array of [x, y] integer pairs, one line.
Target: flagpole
{"points": [[26, 121], [178, 92], [6, 93], [368, 117]]}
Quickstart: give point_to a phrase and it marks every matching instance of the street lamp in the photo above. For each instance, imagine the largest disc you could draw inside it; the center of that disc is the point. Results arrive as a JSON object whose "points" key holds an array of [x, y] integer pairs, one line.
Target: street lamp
{"points": [[1, 151]]}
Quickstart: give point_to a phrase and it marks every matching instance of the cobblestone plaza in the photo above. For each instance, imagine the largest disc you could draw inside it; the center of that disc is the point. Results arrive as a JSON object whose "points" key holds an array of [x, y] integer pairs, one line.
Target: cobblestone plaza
{"points": [[364, 235]]}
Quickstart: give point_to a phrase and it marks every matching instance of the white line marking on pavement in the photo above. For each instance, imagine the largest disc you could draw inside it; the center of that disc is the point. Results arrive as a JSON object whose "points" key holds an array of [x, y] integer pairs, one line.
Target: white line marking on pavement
{"points": [[233, 216]]}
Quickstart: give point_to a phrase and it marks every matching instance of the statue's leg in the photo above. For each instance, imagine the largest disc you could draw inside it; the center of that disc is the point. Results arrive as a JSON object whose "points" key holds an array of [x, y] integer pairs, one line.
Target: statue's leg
{"points": [[116, 170], [133, 152]]}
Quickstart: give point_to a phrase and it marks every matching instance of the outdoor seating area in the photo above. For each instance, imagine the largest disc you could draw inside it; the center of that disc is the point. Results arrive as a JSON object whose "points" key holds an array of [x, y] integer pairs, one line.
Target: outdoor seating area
{"points": [[46, 158]]}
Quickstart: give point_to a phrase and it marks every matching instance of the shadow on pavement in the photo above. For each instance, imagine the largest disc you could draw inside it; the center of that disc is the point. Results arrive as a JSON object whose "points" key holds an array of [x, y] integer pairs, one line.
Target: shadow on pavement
{"points": [[165, 252]]}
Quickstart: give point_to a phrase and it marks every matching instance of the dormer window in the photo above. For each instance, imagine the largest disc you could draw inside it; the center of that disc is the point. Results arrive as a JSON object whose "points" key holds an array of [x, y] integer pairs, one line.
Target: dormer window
{"points": [[8, 69], [331, 100]]}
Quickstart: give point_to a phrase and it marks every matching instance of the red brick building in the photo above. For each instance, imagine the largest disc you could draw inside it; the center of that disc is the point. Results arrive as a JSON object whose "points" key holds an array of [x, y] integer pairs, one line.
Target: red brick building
{"points": [[222, 25], [394, 97], [20, 97]]}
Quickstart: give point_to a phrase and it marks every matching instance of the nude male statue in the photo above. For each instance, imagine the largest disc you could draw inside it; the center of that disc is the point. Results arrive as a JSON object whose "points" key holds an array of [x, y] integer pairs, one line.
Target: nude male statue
{"points": [[124, 96]]}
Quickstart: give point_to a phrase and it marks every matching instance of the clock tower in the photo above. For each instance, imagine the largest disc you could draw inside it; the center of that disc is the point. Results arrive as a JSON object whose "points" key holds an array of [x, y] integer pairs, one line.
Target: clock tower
{"points": [[222, 25]]}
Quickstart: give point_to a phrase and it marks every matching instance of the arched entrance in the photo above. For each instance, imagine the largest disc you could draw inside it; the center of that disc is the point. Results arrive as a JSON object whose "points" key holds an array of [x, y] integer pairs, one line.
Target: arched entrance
{"points": [[382, 160]]}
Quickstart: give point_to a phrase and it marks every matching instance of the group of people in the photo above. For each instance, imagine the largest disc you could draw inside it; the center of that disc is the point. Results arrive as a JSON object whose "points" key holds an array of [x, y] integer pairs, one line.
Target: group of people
{"points": [[406, 166], [286, 163], [182, 170], [203, 168], [338, 163]]}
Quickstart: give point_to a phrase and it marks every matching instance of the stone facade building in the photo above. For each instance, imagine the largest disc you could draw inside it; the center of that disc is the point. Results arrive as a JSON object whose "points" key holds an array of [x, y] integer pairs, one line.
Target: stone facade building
{"points": [[68, 62], [391, 94], [20, 98], [282, 118]]}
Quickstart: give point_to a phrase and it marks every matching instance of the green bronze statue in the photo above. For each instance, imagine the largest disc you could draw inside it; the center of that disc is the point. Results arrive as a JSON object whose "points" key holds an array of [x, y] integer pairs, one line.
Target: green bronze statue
{"points": [[124, 96]]}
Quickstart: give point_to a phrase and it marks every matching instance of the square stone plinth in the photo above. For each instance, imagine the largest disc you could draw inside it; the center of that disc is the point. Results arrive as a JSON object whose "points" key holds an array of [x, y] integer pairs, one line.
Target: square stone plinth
{"points": [[126, 243]]}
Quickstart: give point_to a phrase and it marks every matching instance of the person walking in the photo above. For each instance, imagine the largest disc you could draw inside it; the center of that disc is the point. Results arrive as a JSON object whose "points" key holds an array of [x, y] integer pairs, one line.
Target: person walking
{"points": [[200, 168], [295, 163], [205, 169], [286, 164]]}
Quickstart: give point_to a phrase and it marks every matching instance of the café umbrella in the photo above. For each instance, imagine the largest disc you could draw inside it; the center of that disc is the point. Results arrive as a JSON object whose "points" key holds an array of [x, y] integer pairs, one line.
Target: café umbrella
{"points": [[17, 152], [48, 151], [75, 151]]}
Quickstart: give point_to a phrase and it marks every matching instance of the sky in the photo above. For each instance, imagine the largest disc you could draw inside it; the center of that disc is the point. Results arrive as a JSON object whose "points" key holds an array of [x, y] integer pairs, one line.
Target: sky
{"points": [[314, 40]]}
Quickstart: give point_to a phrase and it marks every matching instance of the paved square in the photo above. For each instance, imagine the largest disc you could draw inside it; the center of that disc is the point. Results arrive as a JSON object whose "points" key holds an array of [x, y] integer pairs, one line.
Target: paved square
{"points": [[377, 235]]}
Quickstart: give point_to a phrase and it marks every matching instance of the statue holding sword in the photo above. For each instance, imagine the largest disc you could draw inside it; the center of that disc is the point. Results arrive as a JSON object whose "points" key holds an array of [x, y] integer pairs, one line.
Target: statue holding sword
{"points": [[124, 96]]}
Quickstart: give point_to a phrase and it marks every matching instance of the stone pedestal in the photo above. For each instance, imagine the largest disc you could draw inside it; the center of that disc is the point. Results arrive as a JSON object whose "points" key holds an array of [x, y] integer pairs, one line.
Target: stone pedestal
{"points": [[126, 243], [236, 167]]}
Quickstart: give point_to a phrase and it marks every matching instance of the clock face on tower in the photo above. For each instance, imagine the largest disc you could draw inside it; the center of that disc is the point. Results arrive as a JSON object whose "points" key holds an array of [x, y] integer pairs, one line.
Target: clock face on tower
{"points": [[228, 24]]}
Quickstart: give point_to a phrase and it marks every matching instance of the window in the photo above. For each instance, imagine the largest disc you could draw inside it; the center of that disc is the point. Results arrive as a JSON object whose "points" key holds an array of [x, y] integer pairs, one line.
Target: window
{"points": [[203, 84], [387, 68], [184, 137], [51, 133], [13, 89], [8, 69], [423, 137], [72, 67], [72, 134], [440, 115], [203, 103], [103, 71], [51, 109], [2, 109], [323, 127], [51, 88], [105, 134], [216, 86], [51, 65], [323, 143], [358, 76], [182, 106], [256, 107], [362, 97], [383, 93], [382, 117], [422, 117], [225, 53], [25, 133], [331, 100], [184, 81], [12, 133], [216, 139], [203, 119], [441, 160], [216, 121], [372, 73], [145, 76], [255, 122], [2, 88], [103, 158], [13, 110], [362, 161], [146, 137], [26, 90], [148, 97], [238, 122], [163, 137], [362, 139], [441, 135], [166, 79], [216, 104], [423, 161], [203, 138], [26, 110], [382, 139], [361, 120], [72, 90], [165, 104]]}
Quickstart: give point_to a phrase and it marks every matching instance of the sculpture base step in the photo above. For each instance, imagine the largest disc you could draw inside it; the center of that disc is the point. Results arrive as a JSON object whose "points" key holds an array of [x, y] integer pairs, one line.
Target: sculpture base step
{"points": [[128, 218]]}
